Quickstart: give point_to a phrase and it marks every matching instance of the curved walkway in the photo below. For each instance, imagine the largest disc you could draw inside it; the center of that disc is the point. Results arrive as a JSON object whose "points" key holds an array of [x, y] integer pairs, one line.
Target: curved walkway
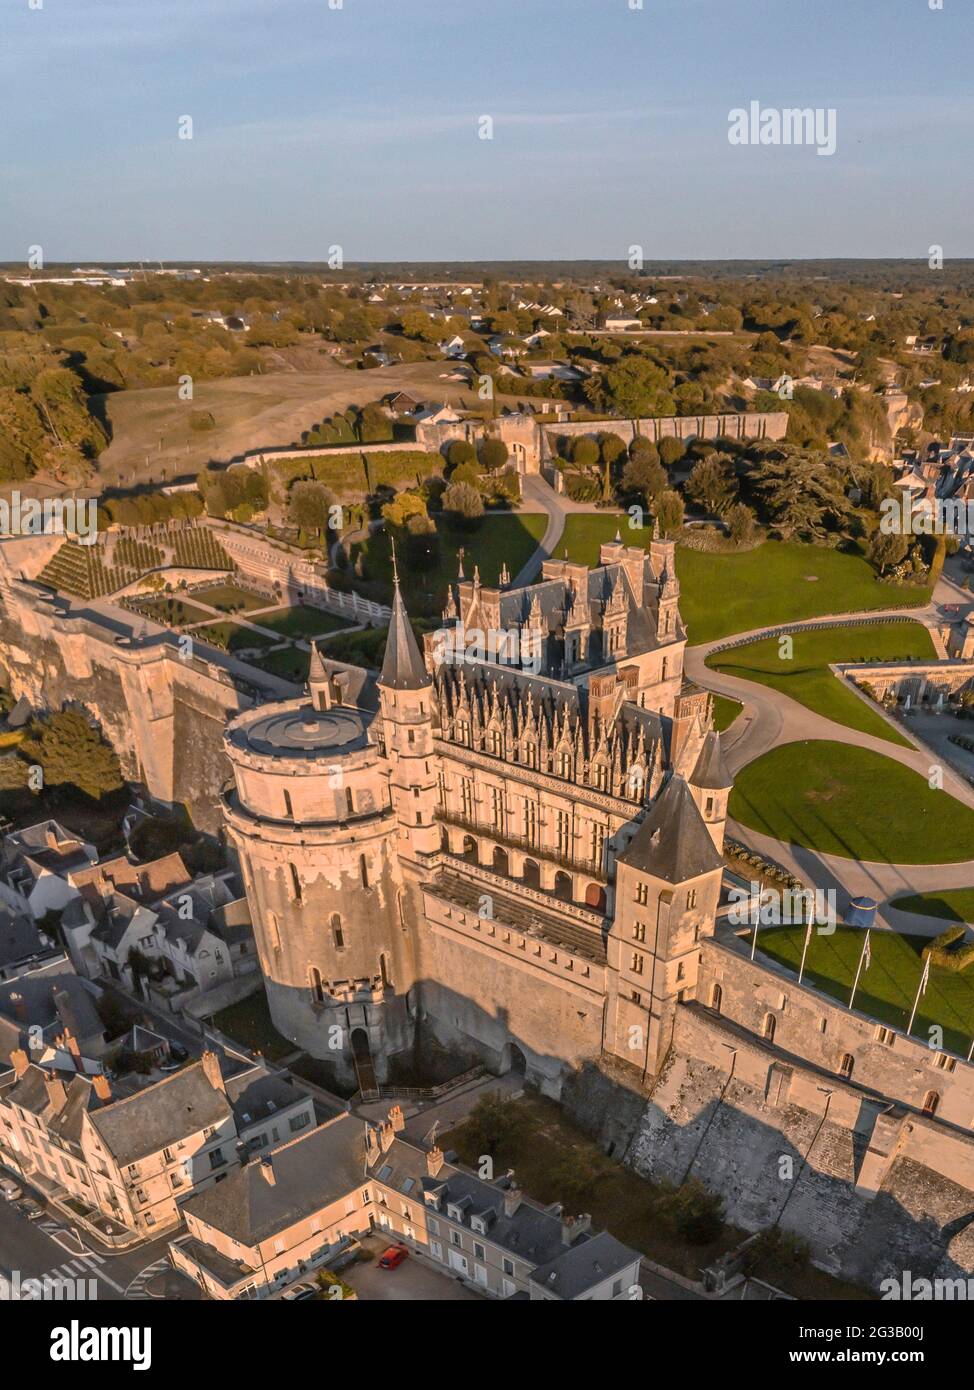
{"points": [[770, 718]]}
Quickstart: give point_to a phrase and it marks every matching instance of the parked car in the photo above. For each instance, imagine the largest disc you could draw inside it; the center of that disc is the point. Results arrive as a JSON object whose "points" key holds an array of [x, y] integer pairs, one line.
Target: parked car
{"points": [[31, 1209], [10, 1189], [393, 1257], [297, 1292]]}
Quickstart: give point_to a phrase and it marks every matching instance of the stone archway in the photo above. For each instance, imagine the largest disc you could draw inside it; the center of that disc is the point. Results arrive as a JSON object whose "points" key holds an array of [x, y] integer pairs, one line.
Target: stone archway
{"points": [[563, 886], [595, 897], [531, 874]]}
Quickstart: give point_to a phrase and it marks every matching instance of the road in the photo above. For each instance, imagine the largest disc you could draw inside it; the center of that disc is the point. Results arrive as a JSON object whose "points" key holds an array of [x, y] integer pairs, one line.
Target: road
{"points": [[51, 1248]]}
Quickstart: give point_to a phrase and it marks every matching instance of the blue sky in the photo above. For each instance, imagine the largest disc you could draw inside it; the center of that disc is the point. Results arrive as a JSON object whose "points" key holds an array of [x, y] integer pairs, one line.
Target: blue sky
{"points": [[358, 127]]}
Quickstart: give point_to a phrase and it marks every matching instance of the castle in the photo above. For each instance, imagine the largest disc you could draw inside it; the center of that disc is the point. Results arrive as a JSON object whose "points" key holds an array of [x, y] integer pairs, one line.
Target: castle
{"points": [[515, 855]]}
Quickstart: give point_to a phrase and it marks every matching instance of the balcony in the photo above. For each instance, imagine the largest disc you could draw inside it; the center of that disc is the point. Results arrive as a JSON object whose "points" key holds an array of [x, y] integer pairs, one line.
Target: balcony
{"points": [[578, 864]]}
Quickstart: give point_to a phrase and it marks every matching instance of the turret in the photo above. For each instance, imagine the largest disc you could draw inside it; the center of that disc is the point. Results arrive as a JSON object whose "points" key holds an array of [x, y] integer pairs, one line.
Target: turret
{"points": [[406, 703], [710, 782]]}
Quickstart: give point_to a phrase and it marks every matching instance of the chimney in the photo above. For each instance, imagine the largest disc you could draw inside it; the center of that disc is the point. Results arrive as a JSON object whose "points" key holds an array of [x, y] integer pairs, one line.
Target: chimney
{"points": [[70, 1042], [267, 1171], [212, 1072], [397, 1119], [386, 1135], [574, 1226], [57, 1096], [372, 1150], [19, 1061], [434, 1161], [102, 1089], [512, 1194]]}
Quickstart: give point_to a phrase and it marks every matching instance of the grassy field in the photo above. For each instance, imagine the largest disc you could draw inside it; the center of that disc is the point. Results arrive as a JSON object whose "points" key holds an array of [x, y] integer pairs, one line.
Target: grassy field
{"points": [[806, 676], [301, 620], [952, 904], [777, 582], [249, 1022], [840, 799], [888, 987], [231, 637], [290, 663], [502, 536], [725, 712], [231, 598]]}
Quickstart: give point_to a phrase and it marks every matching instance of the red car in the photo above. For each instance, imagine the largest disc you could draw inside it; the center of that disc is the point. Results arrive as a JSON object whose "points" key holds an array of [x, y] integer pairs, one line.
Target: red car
{"points": [[393, 1257]]}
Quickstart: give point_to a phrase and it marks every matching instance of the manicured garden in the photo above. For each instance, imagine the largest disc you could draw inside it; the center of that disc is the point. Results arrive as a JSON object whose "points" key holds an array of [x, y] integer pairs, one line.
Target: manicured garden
{"points": [[888, 987], [301, 620], [806, 677], [501, 537], [231, 637], [777, 582], [173, 612], [839, 799], [231, 598], [952, 904]]}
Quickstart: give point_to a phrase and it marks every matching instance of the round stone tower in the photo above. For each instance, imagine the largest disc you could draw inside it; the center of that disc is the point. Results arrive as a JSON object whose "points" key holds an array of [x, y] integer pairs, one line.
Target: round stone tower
{"points": [[313, 821]]}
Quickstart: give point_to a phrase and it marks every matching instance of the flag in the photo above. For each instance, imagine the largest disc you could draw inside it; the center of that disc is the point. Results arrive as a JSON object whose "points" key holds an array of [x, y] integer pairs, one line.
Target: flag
{"points": [[924, 978], [867, 954]]}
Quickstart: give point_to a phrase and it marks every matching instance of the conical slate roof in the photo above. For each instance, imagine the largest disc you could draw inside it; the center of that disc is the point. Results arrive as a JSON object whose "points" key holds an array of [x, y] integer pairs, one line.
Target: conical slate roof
{"points": [[316, 669], [673, 842], [402, 665], [710, 773]]}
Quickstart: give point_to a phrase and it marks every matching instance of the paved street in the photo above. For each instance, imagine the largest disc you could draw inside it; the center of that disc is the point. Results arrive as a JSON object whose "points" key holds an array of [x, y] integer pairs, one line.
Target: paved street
{"points": [[50, 1247]]}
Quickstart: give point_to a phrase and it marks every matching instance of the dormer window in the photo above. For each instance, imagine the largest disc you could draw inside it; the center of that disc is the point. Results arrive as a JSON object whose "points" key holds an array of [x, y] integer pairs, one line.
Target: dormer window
{"points": [[454, 1212], [479, 1225]]}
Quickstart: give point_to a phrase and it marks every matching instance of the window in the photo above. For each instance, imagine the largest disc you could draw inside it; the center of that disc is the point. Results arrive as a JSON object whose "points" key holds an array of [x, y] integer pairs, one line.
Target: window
{"points": [[886, 1036], [637, 963], [642, 893], [716, 996], [846, 1065], [216, 1158], [770, 1024], [681, 973], [946, 1063], [709, 807], [691, 898], [433, 1226], [478, 1251], [508, 1266], [410, 736], [637, 998], [317, 992], [363, 871], [455, 1238], [349, 802], [616, 1288], [930, 1102], [289, 811], [295, 883], [336, 931], [639, 931]]}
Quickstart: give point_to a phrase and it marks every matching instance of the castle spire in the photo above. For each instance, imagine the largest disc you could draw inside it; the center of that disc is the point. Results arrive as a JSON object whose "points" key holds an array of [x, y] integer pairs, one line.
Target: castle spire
{"points": [[402, 665]]}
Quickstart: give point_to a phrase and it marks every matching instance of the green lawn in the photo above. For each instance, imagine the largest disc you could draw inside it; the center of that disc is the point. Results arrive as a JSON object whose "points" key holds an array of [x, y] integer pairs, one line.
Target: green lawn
{"points": [[777, 582], [952, 904], [231, 637], [173, 612], [301, 620], [806, 676], [231, 598], [290, 663], [840, 799], [725, 712], [888, 987], [500, 537], [249, 1022]]}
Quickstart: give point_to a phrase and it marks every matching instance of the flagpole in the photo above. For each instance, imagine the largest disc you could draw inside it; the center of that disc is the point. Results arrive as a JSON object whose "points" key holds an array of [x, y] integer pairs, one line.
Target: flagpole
{"points": [[920, 989], [808, 937], [862, 957]]}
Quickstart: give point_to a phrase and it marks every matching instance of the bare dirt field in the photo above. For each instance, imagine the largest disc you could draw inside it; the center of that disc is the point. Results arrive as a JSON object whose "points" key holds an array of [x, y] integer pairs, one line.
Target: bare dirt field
{"points": [[152, 441]]}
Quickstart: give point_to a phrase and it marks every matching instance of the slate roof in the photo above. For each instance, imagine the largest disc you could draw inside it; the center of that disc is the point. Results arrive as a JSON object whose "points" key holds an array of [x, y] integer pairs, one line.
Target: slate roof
{"points": [[161, 1114], [311, 1172], [19, 939], [584, 1265], [257, 1093], [402, 665], [710, 773], [52, 1003], [673, 842]]}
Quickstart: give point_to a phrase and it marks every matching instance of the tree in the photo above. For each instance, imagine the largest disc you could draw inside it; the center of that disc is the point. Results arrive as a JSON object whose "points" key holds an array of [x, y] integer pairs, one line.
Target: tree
{"points": [[800, 491], [611, 449], [669, 511], [464, 501], [461, 451], [495, 1126], [585, 452], [670, 451], [643, 448], [644, 475], [493, 454], [634, 386], [712, 483], [886, 549], [71, 752], [309, 507], [740, 523]]}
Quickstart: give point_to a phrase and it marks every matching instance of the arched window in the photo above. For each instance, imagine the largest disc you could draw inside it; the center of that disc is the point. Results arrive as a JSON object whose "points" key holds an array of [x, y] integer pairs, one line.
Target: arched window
{"points": [[691, 898], [564, 764], [496, 742], [288, 809], [770, 1024], [317, 993], [716, 998], [336, 931], [295, 883], [349, 801], [681, 973], [930, 1103], [531, 754], [846, 1065], [363, 869]]}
